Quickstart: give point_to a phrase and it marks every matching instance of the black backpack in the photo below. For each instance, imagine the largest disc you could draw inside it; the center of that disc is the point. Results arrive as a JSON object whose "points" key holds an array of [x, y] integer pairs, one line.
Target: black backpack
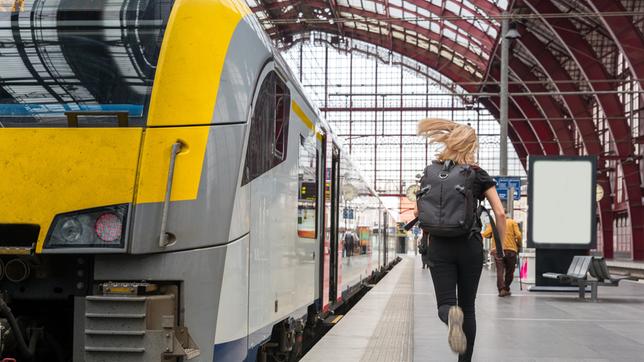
{"points": [[447, 207]]}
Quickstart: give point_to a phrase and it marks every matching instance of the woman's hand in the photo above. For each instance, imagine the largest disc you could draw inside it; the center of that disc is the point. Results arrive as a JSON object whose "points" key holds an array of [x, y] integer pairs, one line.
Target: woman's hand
{"points": [[499, 214]]}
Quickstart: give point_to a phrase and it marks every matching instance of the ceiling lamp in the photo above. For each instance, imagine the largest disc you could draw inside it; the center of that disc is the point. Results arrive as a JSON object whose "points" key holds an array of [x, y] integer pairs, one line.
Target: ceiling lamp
{"points": [[512, 32]]}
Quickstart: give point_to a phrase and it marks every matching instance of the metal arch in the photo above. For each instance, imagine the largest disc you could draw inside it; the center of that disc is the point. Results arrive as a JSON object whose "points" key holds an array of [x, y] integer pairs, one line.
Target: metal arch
{"points": [[440, 82], [451, 70], [562, 81], [552, 113], [488, 7], [409, 51], [521, 128], [519, 146], [463, 51], [577, 108], [568, 148], [463, 24], [591, 66], [541, 126], [543, 134], [467, 55], [530, 113], [624, 33], [522, 154]]}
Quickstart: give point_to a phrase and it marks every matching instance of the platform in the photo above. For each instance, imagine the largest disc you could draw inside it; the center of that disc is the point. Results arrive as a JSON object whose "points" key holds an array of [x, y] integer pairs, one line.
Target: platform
{"points": [[625, 267], [397, 321]]}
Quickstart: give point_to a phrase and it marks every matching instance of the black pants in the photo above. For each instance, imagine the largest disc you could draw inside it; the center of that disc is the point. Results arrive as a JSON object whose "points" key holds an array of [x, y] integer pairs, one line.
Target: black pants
{"points": [[455, 265]]}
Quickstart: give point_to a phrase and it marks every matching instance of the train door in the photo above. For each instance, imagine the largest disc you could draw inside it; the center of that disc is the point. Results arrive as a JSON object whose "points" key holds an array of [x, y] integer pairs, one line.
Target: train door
{"points": [[334, 267], [324, 236], [385, 237], [380, 238]]}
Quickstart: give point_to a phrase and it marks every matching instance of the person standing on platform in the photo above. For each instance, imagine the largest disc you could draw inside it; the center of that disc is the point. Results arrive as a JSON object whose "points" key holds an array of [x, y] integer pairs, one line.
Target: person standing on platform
{"points": [[455, 263], [505, 265], [348, 242]]}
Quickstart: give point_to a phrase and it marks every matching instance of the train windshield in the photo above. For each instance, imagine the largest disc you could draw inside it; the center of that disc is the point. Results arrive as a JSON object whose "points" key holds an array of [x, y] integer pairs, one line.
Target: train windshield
{"points": [[90, 60]]}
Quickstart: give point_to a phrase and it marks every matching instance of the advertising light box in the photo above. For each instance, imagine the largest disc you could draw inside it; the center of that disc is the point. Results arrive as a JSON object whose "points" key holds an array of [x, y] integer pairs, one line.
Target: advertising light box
{"points": [[561, 199]]}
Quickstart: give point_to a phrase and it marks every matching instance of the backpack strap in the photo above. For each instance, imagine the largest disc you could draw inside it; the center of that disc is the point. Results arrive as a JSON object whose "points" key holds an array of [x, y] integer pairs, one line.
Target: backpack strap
{"points": [[497, 240]]}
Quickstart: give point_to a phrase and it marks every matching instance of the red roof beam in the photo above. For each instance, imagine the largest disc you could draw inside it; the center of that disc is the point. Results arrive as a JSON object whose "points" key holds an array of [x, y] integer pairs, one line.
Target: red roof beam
{"points": [[551, 110], [467, 54], [466, 26], [625, 34], [451, 70], [591, 66], [521, 128], [530, 112], [519, 146]]}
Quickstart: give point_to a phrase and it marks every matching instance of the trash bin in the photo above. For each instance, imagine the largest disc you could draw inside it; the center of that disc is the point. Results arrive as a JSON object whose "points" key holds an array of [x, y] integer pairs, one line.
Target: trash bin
{"points": [[527, 267]]}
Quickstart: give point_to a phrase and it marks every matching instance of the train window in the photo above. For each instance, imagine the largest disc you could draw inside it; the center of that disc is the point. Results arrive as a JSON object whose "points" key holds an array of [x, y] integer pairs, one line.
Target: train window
{"points": [[78, 56], [268, 140], [282, 110], [307, 206]]}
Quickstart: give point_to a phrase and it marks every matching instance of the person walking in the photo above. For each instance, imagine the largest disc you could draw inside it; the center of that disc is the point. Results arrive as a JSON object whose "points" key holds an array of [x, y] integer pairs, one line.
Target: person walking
{"points": [[348, 243], [455, 263], [505, 264]]}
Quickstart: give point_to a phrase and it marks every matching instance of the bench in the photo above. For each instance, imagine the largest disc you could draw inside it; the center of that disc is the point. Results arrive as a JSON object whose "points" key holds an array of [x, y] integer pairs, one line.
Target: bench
{"points": [[587, 271], [600, 276]]}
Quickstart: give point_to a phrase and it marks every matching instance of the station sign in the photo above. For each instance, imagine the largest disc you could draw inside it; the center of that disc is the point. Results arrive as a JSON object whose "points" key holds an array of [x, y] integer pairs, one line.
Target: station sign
{"points": [[505, 183]]}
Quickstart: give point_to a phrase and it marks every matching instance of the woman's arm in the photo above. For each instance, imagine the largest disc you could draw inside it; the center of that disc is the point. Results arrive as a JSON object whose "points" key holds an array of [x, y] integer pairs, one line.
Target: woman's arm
{"points": [[497, 207]]}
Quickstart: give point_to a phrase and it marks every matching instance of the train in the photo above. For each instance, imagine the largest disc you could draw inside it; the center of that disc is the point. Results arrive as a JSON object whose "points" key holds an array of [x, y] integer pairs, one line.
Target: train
{"points": [[167, 191]]}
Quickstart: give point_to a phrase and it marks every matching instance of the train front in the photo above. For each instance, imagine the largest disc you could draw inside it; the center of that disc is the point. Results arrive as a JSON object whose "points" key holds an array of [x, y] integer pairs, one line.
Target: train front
{"points": [[106, 114]]}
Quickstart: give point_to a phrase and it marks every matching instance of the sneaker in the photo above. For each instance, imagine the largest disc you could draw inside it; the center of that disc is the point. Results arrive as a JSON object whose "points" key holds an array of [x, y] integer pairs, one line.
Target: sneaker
{"points": [[456, 336]]}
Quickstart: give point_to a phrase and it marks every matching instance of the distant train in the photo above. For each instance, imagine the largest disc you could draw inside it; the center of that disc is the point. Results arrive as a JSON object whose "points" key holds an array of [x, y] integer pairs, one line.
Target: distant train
{"points": [[167, 192]]}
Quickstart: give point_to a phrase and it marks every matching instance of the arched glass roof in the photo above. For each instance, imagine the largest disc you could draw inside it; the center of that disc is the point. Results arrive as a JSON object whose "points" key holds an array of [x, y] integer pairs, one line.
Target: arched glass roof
{"points": [[456, 37], [576, 73]]}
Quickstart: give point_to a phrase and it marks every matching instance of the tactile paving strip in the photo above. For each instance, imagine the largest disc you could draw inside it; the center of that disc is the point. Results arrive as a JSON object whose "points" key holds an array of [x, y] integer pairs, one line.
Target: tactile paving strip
{"points": [[392, 339]]}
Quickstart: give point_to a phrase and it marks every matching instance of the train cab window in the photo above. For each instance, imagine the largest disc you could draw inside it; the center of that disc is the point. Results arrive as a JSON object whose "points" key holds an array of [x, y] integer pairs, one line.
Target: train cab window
{"points": [[268, 140], [307, 206], [79, 56], [281, 119]]}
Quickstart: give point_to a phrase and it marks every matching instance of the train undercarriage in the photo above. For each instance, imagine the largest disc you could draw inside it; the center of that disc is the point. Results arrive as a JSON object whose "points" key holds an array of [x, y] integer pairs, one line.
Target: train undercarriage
{"points": [[52, 310]]}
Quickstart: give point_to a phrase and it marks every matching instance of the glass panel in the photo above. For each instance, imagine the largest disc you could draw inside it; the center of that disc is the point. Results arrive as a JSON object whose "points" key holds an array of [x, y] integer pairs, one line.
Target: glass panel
{"points": [[308, 189], [269, 128], [79, 56], [376, 108], [369, 6]]}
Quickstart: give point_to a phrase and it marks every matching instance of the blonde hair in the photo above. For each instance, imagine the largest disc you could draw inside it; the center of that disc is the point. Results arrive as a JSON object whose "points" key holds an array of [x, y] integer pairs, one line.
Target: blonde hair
{"points": [[460, 140]]}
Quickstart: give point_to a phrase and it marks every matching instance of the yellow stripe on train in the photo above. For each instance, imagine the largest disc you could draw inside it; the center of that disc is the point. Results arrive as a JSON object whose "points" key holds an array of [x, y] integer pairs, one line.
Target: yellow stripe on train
{"points": [[305, 119]]}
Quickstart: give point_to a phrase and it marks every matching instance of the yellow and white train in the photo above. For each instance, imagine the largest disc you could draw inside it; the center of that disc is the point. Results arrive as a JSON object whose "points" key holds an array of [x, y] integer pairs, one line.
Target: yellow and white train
{"points": [[166, 190]]}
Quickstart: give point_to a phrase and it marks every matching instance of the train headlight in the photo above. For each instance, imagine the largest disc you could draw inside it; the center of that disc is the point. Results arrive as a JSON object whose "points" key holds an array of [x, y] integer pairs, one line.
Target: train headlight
{"points": [[94, 228], [71, 230]]}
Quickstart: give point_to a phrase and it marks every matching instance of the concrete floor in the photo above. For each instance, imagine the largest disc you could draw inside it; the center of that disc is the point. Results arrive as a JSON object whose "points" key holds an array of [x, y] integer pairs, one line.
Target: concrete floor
{"points": [[397, 321]]}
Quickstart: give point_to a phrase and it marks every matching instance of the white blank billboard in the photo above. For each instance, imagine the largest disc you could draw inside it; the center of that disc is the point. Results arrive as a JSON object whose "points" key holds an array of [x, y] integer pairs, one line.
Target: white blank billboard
{"points": [[562, 202]]}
